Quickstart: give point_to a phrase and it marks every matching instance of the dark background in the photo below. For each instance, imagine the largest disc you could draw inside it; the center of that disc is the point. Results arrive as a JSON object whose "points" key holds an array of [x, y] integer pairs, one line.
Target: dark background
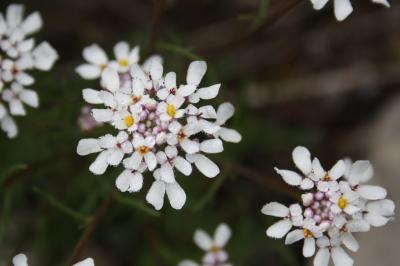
{"points": [[295, 76]]}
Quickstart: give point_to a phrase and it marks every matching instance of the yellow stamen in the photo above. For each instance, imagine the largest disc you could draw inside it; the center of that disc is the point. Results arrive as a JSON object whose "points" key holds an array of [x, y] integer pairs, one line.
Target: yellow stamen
{"points": [[327, 177], [214, 249], [307, 233], [342, 202], [171, 110], [143, 150], [129, 120], [123, 63]]}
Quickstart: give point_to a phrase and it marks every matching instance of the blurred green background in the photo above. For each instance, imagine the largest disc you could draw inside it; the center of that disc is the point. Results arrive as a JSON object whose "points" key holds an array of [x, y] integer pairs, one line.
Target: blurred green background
{"points": [[304, 79]]}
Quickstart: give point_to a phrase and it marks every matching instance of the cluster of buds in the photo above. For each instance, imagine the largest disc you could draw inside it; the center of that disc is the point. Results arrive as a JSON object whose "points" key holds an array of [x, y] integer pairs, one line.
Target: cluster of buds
{"points": [[336, 204], [215, 255], [159, 128], [18, 55]]}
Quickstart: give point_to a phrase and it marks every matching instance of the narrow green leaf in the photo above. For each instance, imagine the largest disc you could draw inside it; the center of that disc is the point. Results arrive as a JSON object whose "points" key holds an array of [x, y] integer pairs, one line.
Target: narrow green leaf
{"points": [[135, 204]]}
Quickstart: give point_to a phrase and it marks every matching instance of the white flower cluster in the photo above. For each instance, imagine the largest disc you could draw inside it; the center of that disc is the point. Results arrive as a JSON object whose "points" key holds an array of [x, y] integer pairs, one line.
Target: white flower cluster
{"points": [[18, 55], [159, 126], [22, 260], [336, 204], [214, 247], [343, 8]]}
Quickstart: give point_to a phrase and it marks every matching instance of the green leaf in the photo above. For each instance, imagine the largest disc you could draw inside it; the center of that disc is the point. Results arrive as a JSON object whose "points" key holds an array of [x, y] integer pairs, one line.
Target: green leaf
{"points": [[135, 204]]}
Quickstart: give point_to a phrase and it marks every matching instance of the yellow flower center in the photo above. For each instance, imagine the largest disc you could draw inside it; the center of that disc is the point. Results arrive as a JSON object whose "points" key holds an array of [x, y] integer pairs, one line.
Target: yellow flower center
{"points": [[129, 120], [171, 110], [123, 63], [307, 233], [143, 150], [214, 249], [342, 203]]}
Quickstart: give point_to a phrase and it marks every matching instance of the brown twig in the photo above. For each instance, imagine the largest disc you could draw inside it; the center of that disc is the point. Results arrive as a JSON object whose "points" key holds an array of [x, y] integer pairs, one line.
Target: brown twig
{"points": [[158, 8], [89, 230], [273, 184]]}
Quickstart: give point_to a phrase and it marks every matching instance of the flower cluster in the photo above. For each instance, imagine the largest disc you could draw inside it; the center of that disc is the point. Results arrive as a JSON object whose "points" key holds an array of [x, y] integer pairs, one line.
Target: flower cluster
{"points": [[22, 260], [214, 247], [343, 8], [160, 129], [18, 55], [336, 203]]}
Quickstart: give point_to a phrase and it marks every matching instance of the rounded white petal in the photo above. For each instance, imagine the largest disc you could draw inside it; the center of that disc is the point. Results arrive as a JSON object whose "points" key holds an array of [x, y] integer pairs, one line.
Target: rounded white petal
{"points": [[222, 235], [309, 247], [32, 23], [343, 9], [91, 96], [319, 4], [350, 242], [190, 146], [208, 93], [372, 192], [156, 193], [211, 146], [322, 257], [102, 115], [44, 56], [176, 195], [110, 79], [167, 173], [275, 209], [183, 166], [360, 172], [14, 15], [16, 107], [382, 2], [229, 135], [9, 126], [340, 257], [302, 159], [294, 236], [224, 112], [151, 160], [203, 240], [30, 98], [206, 166], [290, 177], [188, 263], [88, 146], [337, 170], [170, 80], [196, 71], [376, 220], [95, 55], [279, 229], [20, 260], [99, 166], [121, 50], [87, 71], [86, 262], [156, 70]]}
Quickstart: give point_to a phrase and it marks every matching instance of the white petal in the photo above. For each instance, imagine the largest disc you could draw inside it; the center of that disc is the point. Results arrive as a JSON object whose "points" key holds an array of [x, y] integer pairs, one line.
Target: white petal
{"points": [[14, 14], [358, 225], [102, 115], [86, 262], [151, 160], [95, 55], [156, 70], [24, 79], [30, 98], [384, 207], [382, 2], [350, 242], [44, 56], [206, 166], [123, 180], [376, 220], [115, 157], [309, 247], [134, 161], [343, 9], [188, 263], [224, 112], [183, 166], [186, 90], [222, 235], [337, 170], [16, 107], [290, 177], [167, 173], [279, 229], [99, 166], [229, 135], [302, 159], [275, 209], [91, 96], [190, 146], [360, 172], [340, 257], [133, 56], [372, 192], [87, 71], [196, 71], [202, 240], [88, 146], [155, 196], [170, 80], [176, 195], [110, 79], [322, 257], [121, 50], [9, 126], [211, 146], [294, 236], [209, 92], [32, 23]]}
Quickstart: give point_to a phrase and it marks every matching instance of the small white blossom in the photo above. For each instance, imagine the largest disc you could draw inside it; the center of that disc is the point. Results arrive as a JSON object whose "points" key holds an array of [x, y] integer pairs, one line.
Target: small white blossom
{"points": [[19, 56], [22, 260], [336, 203], [162, 129], [213, 246], [343, 8]]}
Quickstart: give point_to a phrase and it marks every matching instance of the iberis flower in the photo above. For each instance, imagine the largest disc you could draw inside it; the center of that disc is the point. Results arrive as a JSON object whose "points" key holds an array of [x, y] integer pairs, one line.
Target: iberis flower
{"points": [[22, 260], [343, 8], [18, 56], [335, 204], [158, 127], [214, 247]]}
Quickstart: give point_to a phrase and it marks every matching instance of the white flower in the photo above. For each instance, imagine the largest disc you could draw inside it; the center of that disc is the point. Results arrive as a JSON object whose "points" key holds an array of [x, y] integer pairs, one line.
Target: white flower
{"points": [[213, 246], [18, 56], [156, 118], [336, 204], [22, 260], [343, 8]]}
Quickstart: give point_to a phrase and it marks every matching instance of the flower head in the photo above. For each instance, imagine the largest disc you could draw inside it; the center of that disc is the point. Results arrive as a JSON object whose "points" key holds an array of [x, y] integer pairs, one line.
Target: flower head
{"points": [[342, 8], [159, 127], [22, 260], [18, 56], [213, 246], [334, 204]]}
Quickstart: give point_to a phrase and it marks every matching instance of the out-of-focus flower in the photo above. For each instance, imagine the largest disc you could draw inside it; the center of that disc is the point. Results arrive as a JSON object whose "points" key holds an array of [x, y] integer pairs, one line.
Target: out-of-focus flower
{"points": [[86, 121], [18, 56], [163, 129], [342, 8], [336, 203], [22, 260], [213, 246]]}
